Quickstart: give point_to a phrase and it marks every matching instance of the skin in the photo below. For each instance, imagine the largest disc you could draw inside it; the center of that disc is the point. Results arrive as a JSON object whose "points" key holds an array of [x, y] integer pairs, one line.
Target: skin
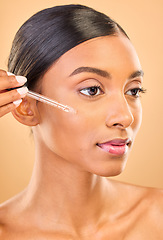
{"points": [[68, 196]]}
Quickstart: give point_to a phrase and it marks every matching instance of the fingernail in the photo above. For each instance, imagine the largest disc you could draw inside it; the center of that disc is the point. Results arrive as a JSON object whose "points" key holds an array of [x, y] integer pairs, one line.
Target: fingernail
{"points": [[10, 74], [17, 102], [22, 91], [21, 79]]}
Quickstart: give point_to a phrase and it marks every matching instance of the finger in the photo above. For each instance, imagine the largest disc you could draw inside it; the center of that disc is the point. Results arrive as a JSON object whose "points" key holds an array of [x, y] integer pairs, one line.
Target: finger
{"points": [[12, 95], [7, 82], [3, 73], [9, 107]]}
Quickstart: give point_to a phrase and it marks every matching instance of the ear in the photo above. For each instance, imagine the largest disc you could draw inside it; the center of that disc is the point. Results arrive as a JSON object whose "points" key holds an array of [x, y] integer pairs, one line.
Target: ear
{"points": [[27, 112]]}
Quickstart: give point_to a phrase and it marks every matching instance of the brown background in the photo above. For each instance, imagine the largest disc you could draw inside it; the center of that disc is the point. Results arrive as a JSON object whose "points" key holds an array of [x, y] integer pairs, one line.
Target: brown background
{"points": [[143, 21]]}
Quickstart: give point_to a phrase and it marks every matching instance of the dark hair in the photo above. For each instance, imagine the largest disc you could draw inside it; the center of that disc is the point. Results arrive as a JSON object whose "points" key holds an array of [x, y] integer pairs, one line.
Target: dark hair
{"points": [[48, 34]]}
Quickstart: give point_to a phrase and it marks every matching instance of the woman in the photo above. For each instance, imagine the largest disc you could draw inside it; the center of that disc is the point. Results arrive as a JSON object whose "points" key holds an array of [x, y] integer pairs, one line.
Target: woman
{"points": [[83, 59]]}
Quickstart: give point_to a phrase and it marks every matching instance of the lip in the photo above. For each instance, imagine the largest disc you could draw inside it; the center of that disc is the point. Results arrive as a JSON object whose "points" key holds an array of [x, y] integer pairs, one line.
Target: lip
{"points": [[116, 146]]}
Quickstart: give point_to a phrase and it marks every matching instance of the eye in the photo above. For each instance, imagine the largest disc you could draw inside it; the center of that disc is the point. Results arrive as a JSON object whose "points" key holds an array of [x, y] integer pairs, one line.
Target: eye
{"points": [[135, 92], [92, 91]]}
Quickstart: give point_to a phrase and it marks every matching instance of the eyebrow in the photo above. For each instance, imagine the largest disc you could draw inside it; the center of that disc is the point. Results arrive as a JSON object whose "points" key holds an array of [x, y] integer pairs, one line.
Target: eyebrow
{"points": [[104, 73], [98, 71], [138, 73]]}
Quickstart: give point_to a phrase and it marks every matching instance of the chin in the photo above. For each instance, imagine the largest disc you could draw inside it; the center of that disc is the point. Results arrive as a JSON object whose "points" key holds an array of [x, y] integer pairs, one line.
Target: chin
{"points": [[113, 170], [109, 174]]}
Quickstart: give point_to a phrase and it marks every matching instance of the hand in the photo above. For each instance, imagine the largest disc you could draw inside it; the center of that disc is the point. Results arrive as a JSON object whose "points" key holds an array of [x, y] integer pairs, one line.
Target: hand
{"points": [[11, 99]]}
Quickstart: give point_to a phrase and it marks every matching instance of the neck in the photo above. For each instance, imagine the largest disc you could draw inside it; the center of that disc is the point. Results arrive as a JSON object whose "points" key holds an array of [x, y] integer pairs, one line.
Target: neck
{"points": [[64, 193]]}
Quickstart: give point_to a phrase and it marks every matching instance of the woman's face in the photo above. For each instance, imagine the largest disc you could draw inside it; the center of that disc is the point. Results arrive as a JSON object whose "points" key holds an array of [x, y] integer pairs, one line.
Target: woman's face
{"points": [[101, 79]]}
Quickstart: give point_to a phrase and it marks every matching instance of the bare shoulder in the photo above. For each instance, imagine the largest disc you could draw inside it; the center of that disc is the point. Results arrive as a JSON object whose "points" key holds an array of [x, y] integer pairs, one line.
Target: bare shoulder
{"points": [[5, 216], [3, 219], [150, 214], [8, 213], [154, 202], [147, 205], [147, 198], [143, 211], [140, 193]]}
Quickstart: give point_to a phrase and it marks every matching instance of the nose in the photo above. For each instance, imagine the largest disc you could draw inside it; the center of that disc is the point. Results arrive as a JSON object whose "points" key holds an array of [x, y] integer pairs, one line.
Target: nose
{"points": [[119, 113]]}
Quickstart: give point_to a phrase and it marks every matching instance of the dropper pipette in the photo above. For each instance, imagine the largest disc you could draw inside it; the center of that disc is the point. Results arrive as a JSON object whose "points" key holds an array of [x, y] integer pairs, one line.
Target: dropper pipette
{"points": [[49, 101]]}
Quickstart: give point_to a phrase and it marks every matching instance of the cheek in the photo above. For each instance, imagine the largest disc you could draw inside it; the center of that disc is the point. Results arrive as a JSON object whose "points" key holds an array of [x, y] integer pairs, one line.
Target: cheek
{"points": [[65, 133], [137, 114]]}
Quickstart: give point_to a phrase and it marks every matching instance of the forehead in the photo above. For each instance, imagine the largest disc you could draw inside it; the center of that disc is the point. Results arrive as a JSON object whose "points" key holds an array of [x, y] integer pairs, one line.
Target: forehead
{"points": [[103, 52]]}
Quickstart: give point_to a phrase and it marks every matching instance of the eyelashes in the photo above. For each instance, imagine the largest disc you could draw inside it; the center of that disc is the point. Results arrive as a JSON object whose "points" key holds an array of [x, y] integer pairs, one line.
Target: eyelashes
{"points": [[135, 92], [96, 90], [92, 91]]}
